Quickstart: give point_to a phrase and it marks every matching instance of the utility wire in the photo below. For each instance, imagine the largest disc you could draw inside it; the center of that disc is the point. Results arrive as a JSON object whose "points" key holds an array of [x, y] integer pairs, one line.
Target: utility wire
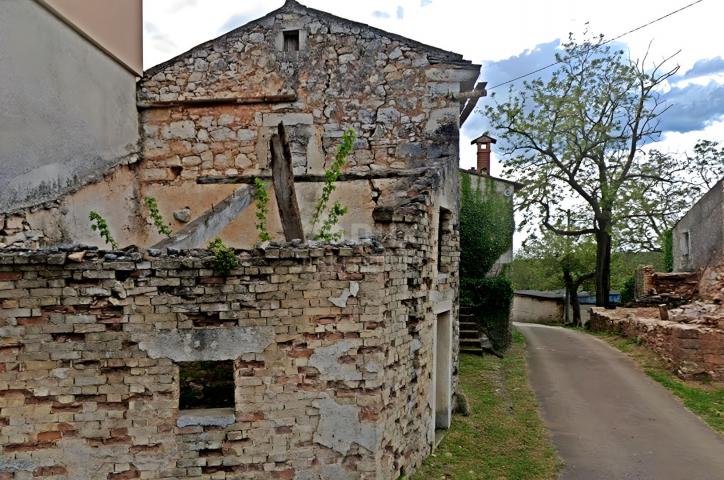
{"points": [[600, 44]]}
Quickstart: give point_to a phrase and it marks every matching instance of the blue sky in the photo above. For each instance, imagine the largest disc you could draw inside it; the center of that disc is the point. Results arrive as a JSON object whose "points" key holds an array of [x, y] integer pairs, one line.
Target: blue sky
{"points": [[507, 38]]}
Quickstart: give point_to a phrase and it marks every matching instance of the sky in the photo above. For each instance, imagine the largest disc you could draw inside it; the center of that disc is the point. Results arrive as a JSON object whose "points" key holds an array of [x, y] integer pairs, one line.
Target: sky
{"points": [[508, 38]]}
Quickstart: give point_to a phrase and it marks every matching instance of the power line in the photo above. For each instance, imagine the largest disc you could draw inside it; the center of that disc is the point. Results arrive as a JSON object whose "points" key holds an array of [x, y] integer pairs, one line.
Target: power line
{"points": [[600, 44]]}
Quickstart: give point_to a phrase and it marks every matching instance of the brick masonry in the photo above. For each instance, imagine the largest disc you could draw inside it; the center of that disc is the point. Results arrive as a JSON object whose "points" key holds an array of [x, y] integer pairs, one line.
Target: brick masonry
{"points": [[89, 352]]}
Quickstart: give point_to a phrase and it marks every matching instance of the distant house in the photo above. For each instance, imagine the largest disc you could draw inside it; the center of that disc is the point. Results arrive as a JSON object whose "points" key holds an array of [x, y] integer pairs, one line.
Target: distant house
{"points": [[482, 180], [548, 306], [698, 238]]}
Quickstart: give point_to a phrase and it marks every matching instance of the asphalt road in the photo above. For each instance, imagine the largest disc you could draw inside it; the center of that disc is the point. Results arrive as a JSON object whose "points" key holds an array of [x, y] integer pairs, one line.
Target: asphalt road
{"points": [[608, 420]]}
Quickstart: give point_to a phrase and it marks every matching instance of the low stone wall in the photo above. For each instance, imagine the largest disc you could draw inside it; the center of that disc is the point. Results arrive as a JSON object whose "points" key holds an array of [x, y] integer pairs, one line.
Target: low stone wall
{"points": [[332, 348], [692, 350]]}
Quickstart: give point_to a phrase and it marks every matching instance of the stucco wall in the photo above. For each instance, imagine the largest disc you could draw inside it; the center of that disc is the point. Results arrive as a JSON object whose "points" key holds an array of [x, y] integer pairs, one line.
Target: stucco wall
{"points": [[536, 310], [68, 110], [115, 26], [705, 226]]}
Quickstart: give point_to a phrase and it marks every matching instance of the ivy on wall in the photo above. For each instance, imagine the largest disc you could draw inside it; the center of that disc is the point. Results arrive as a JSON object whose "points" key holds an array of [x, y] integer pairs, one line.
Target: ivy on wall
{"points": [[486, 233], [486, 225]]}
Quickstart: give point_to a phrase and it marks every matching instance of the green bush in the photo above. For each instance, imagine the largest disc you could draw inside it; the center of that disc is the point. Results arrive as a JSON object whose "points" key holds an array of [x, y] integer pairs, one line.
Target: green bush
{"points": [[490, 298], [667, 245], [628, 292], [224, 257]]}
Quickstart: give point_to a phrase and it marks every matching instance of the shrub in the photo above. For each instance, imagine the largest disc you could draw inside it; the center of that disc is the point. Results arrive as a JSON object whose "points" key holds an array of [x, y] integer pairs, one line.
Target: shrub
{"points": [[490, 298], [224, 257]]}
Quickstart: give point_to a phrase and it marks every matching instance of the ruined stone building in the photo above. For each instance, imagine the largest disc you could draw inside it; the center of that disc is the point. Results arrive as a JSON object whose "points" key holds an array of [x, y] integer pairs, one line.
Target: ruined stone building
{"points": [[698, 238], [317, 360]]}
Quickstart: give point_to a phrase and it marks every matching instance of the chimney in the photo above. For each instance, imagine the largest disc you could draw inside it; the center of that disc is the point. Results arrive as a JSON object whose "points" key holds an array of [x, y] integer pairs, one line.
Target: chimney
{"points": [[484, 143]]}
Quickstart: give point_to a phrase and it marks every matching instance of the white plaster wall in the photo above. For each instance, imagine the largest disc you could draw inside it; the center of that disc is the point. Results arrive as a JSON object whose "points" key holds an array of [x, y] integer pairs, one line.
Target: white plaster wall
{"points": [[533, 310], [68, 110]]}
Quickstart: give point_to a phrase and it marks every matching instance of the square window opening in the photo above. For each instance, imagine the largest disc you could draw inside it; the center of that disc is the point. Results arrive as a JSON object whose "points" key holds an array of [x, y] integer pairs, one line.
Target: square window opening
{"points": [[206, 385], [291, 41]]}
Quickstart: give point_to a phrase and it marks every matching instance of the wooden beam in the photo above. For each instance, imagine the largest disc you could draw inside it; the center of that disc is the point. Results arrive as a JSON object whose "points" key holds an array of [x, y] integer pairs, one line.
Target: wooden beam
{"points": [[472, 102], [319, 178], [283, 181], [201, 102]]}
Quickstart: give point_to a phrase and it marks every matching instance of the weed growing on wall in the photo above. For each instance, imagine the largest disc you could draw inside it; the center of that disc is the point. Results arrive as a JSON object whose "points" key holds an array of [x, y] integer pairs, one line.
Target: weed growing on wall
{"points": [[162, 227], [261, 198], [100, 225], [330, 184], [224, 257]]}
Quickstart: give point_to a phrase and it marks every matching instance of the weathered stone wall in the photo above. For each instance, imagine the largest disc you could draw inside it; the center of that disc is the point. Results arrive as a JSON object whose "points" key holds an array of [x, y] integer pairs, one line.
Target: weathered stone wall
{"points": [[332, 347], [692, 342], [698, 238], [395, 93]]}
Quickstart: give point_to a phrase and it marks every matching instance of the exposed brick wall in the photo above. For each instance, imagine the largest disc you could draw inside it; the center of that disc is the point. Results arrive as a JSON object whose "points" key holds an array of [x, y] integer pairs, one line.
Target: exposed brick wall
{"points": [[675, 286], [692, 350], [87, 388]]}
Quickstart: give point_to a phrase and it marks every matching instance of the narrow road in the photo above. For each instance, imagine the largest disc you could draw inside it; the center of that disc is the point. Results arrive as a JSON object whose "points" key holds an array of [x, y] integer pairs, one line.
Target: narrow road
{"points": [[608, 420]]}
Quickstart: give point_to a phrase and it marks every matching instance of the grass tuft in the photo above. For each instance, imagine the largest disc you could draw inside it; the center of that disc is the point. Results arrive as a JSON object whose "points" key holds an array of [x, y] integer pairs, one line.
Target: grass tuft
{"points": [[503, 438]]}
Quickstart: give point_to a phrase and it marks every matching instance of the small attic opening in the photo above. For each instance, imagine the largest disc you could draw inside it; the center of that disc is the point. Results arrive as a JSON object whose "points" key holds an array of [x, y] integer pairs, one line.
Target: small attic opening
{"points": [[291, 41]]}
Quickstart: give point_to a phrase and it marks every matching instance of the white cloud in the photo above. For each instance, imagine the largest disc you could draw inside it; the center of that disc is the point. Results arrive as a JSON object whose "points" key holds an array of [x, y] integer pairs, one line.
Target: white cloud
{"points": [[481, 31]]}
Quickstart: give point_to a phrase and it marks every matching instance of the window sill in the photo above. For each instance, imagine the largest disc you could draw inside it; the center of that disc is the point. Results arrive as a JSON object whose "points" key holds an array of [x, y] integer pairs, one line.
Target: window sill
{"points": [[206, 417]]}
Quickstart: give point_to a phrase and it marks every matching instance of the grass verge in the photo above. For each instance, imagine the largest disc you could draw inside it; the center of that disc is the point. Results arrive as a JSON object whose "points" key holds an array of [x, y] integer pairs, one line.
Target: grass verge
{"points": [[705, 399], [503, 438]]}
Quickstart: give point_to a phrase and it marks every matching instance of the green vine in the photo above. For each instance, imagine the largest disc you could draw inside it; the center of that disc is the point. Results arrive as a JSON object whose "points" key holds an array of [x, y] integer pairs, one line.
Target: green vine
{"points": [[224, 257], [486, 225], [330, 179], [325, 233], [162, 227], [486, 233], [100, 225], [261, 198]]}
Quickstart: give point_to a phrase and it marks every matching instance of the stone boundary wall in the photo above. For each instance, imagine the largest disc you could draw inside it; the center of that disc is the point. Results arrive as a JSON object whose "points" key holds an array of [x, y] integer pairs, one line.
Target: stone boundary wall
{"points": [[692, 351], [332, 349]]}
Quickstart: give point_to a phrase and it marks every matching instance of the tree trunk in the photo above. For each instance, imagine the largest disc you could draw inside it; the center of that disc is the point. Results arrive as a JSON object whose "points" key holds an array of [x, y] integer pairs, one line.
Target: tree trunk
{"points": [[603, 264], [572, 289]]}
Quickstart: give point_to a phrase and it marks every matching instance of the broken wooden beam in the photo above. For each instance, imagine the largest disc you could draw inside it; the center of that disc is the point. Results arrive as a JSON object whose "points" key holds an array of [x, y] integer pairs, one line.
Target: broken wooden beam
{"points": [[319, 178], [472, 102], [283, 181], [201, 102]]}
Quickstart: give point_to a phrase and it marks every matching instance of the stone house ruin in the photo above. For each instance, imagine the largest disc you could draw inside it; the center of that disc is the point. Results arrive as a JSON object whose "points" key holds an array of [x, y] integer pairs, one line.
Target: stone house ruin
{"points": [[698, 238], [309, 361]]}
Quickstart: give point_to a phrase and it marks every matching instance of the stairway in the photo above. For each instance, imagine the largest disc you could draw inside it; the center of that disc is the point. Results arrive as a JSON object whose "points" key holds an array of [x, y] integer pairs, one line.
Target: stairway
{"points": [[470, 335]]}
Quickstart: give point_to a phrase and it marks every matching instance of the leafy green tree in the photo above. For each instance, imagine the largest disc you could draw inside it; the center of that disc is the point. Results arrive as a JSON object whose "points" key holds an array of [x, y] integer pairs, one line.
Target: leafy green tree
{"points": [[568, 260], [668, 186], [575, 142]]}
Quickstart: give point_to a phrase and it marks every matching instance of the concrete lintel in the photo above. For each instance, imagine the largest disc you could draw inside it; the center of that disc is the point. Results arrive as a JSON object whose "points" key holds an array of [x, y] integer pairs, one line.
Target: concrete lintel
{"points": [[208, 344]]}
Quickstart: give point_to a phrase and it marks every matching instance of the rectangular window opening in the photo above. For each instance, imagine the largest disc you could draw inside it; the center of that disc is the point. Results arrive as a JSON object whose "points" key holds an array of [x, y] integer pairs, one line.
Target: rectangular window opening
{"points": [[206, 385], [291, 41], [443, 227], [686, 243]]}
